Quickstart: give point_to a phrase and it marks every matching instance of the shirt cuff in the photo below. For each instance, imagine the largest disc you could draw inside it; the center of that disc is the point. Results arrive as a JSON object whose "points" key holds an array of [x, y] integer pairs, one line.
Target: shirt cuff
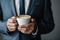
{"points": [[35, 33]]}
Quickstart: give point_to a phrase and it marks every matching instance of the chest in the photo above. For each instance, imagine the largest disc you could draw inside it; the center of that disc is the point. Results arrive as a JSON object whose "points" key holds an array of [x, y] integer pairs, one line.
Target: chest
{"points": [[26, 5], [9, 9]]}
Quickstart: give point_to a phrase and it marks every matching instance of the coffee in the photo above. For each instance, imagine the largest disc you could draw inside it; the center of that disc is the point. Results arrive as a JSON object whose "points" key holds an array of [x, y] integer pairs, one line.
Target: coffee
{"points": [[23, 19], [24, 16]]}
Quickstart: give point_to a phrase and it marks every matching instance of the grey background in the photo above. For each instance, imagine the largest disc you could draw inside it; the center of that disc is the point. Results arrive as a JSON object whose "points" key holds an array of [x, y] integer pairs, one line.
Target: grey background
{"points": [[55, 34]]}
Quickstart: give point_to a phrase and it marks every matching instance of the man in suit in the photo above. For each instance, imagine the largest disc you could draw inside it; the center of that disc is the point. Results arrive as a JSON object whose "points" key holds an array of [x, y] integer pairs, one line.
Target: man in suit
{"points": [[42, 20]]}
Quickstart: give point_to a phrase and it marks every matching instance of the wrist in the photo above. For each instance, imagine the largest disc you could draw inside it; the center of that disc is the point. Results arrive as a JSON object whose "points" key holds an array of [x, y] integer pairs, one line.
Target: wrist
{"points": [[35, 31]]}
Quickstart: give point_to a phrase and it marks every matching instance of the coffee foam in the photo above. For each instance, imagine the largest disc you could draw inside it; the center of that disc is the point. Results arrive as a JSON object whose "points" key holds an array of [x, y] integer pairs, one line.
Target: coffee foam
{"points": [[24, 16]]}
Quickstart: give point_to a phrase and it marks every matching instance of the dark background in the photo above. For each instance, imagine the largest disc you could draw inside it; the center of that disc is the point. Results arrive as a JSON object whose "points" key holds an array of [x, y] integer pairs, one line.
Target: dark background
{"points": [[55, 34]]}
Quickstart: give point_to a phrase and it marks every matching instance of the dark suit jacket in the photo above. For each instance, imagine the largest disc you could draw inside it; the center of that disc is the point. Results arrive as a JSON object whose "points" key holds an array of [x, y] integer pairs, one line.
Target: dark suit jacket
{"points": [[38, 9]]}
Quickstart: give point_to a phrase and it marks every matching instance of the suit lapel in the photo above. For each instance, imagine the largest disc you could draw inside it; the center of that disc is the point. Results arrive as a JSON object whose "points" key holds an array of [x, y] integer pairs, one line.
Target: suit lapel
{"points": [[30, 6], [13, 7]]}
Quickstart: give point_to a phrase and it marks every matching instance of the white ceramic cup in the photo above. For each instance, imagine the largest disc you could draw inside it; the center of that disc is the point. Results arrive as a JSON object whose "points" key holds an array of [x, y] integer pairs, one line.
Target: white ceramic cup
{"points": [[23, 19]]}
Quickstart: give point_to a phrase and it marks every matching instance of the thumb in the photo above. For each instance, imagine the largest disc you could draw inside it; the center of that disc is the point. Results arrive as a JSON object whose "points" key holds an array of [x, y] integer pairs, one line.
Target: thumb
{"points": [[33, 20], [13, 17]]}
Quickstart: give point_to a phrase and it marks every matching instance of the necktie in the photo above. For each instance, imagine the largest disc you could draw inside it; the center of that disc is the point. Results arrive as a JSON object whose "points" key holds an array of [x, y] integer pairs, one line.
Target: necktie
{"points": [[22, 8]]}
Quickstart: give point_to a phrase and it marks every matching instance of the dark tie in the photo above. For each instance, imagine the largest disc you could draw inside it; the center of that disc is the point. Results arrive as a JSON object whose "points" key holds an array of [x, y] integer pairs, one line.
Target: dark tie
{"points": [[22, 7]]}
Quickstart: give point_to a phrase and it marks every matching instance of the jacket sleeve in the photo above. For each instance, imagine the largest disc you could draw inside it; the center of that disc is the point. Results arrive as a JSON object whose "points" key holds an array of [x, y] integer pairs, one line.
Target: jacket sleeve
{"points": [[3, 28], [46, 24]]}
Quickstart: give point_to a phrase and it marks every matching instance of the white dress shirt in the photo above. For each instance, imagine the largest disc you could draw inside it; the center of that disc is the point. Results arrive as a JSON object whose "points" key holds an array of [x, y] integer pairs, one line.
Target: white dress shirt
{"points": [[17, 2], [26, 9]]}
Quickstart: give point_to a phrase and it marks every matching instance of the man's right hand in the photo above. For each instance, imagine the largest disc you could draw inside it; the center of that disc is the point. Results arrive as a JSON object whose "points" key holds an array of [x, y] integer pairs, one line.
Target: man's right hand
{"points": [[12, 24]]}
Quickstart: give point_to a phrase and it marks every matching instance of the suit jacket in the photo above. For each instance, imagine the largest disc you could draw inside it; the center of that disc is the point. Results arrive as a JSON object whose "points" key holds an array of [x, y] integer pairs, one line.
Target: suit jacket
{"points": [[38, 9]]}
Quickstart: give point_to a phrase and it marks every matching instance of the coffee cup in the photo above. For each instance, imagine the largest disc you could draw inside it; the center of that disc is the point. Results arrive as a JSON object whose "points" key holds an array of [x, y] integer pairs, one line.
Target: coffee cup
{"points": [[23, 19]]}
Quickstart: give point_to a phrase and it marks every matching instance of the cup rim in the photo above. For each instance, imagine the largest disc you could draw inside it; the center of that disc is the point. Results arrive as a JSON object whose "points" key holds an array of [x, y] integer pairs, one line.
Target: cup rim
{"points": [[23, 16]]}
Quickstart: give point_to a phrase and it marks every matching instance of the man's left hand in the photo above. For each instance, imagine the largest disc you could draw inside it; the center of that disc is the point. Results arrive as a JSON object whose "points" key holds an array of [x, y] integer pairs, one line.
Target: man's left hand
{"points": [[28, 28]]}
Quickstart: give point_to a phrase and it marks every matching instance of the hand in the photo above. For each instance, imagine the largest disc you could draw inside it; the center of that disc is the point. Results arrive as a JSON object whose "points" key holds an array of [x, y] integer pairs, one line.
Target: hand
{"points": [[28, 28], [11, 24]]}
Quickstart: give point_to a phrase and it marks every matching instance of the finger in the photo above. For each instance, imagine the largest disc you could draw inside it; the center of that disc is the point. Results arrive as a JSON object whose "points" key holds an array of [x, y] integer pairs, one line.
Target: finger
{"points": [[24, 26], [11, 20], [25, 30], [13, 17], [12, 24], [21, 29], [28, 31], [28, 25], [11, 28]]}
